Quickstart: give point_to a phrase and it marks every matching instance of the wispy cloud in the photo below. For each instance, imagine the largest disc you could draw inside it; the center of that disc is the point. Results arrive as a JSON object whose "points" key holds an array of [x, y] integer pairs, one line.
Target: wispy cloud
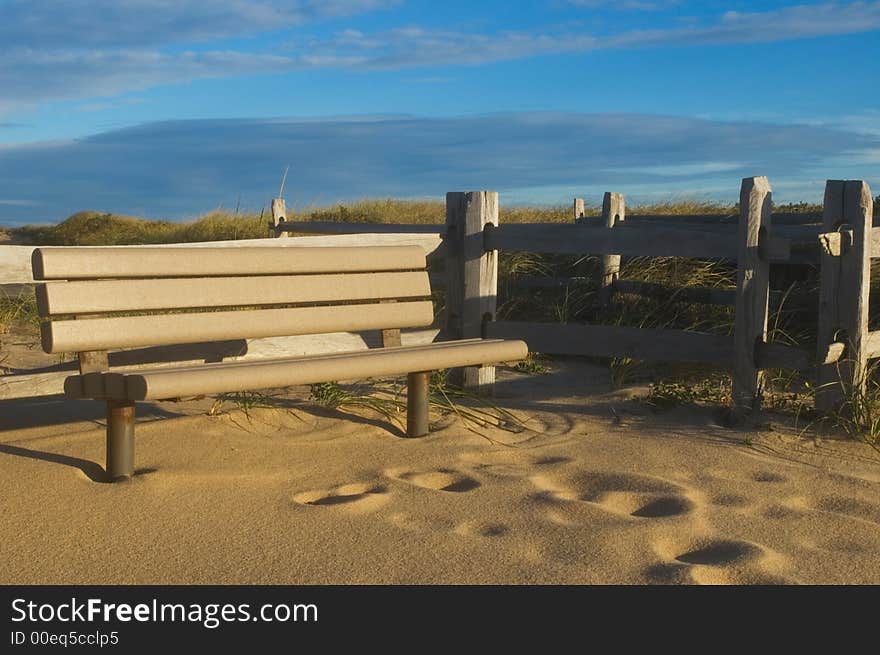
{"points": [[55, 50], [31, 76], [420, 47], [59, 50], [784, 24], [65, 25], [178, 169], [625, 5]]}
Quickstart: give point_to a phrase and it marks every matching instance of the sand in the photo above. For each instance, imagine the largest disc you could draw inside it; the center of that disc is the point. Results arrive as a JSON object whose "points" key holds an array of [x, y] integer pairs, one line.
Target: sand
{"points": [[300, 495]]}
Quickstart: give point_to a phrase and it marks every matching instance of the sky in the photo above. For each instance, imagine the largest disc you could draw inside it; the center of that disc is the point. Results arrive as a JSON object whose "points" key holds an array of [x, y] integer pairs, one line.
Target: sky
{"points": [[171, 108]]}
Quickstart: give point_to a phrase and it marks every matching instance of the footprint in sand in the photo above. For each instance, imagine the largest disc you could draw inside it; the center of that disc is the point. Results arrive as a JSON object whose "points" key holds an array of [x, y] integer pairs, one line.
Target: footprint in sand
{"points": [[715, 561], [621, 493], [850, 507], [481, 529], [551, 461], [722, 552], [730, 500], [436, 479], [668, 574], [768, 476], [664, 506], [360, 496], [509, 464], [779, 512]]}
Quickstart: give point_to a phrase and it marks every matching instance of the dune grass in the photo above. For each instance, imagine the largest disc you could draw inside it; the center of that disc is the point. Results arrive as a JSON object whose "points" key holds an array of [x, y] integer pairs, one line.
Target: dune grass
{"points": [[18, 309], [90, 228], [389, 402]]}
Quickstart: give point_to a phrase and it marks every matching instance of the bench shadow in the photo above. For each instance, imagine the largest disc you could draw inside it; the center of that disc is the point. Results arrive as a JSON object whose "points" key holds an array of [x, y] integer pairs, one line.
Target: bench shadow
{"points": [[92, 471], [338, 414], [20, 413]]}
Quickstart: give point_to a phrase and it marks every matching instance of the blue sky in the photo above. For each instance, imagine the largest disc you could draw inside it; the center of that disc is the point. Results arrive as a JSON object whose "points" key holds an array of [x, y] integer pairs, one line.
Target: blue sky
{"points": [[168, 108]]}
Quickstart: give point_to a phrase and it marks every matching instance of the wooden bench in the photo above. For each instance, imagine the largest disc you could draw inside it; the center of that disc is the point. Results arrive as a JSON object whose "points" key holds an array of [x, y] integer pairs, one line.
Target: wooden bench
{"points": [[97, 299]]}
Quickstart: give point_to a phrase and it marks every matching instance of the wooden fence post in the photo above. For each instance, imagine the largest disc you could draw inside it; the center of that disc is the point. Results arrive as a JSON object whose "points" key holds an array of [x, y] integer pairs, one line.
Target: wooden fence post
{"points": [[279, 215], [471, 294], [613, 213], [752, 292], [844, 289], [579, 210]]}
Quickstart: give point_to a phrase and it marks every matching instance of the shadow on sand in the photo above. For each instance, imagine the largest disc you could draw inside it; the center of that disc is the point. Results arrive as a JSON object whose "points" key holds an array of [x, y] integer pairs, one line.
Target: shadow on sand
{"points": [[93, 471], [21, 413]]}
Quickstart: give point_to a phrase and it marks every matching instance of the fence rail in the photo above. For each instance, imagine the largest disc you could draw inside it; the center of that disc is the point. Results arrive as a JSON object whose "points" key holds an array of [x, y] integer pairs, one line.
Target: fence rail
{"points": [[641, 241], [335, 227], [617, 341]]}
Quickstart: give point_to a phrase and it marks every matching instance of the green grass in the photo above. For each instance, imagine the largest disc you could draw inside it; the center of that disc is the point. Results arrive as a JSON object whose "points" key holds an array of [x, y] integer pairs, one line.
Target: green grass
{"points": [[100, 228], [388, 400], [858, 415], [666, 394], [334, 396], [533, 364], [18, 310], [246, 401], [95, 229]]}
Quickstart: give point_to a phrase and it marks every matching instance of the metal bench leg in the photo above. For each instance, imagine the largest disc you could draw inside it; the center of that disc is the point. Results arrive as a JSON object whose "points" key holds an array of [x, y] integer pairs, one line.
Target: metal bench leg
{"points": [[417, 404], [120, 439]]}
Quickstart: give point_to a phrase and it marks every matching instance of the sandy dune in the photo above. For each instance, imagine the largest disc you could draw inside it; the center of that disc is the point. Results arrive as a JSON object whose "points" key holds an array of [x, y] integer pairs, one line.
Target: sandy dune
{"points": [[303, 495]]}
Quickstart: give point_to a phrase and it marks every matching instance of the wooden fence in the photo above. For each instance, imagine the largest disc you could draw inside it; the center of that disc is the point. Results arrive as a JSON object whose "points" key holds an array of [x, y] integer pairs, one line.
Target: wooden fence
{"points": [[467, 247], [841, 243]]}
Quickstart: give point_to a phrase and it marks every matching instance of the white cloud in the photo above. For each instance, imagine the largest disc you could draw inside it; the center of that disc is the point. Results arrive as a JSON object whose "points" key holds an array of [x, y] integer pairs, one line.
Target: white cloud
{"points": [[62, 24], [625, 5], [54, 50], [31, 76], [866, 122], [59, 50], [784, 24], [686, 170], [419, 47]]}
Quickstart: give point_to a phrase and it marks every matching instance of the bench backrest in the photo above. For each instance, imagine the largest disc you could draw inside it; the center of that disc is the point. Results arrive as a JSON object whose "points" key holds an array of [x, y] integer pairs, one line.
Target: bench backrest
{"points": [[110, 298]]}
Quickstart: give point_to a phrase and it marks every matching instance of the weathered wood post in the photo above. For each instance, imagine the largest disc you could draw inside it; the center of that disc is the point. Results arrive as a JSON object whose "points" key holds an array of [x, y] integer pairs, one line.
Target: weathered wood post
{"points": [[471, 294], [279, 215], [391, 336], [844, 289], [752, 292], [93, 361], [613, 214], [579, 210]]}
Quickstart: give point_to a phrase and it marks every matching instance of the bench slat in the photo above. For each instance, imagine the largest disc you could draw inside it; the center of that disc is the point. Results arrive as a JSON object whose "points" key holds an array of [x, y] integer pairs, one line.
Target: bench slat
{"points": [[143, 262], [168, 329], [228, 378], [92, 296]]}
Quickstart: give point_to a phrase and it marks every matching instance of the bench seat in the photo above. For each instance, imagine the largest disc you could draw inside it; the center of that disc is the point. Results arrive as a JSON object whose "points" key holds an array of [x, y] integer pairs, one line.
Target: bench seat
{"points": [[228, 377]]}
